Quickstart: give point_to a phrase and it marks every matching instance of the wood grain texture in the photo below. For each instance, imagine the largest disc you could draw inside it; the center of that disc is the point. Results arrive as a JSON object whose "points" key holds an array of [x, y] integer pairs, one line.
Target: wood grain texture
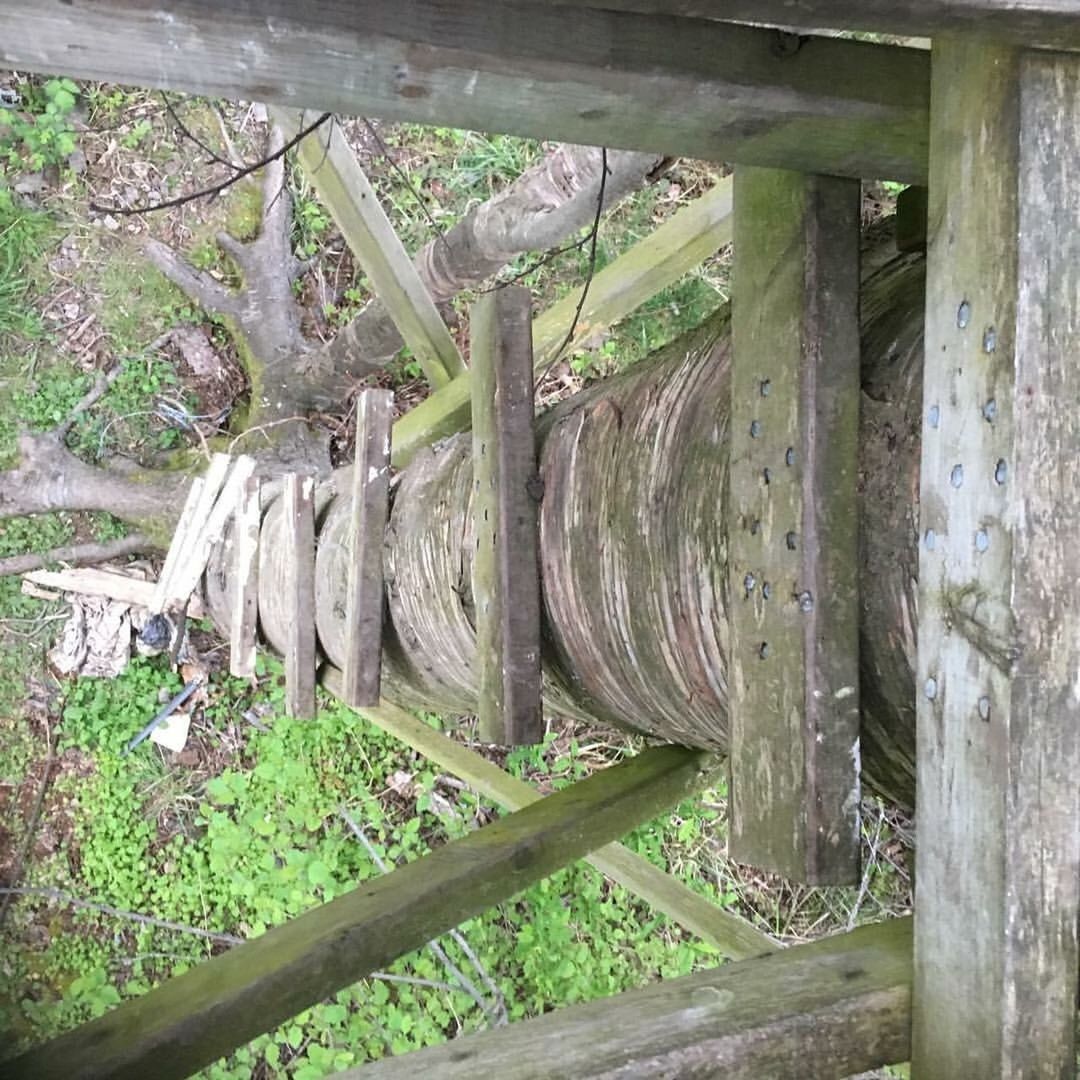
{"points": [[506, 565], [300, 653], [345, 190], [689, 237], [998, 858], [812, 1012], [193, 1019], [244, 615], [792, 526], [1054, 24], [365, 598], [598, 78]]}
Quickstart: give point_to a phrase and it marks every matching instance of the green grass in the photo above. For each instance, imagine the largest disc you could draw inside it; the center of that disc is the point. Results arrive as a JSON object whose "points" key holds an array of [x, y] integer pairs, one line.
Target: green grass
{"points": [[24, 236]]}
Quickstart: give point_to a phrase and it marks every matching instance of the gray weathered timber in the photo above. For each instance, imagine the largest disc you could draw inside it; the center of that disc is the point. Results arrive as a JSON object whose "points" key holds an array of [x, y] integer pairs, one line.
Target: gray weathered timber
{"points": [[243, 617], [340, 182], [792, 526], [600, 78], [195, 1018], [998, 862], [506, 566], [299, 533], [1051, 24], [365, 599], [813, 1012]]}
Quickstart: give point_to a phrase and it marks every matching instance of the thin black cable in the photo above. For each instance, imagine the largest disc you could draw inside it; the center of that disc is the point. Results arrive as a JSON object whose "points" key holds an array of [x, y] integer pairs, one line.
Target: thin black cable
{"points": [[189, 134]]}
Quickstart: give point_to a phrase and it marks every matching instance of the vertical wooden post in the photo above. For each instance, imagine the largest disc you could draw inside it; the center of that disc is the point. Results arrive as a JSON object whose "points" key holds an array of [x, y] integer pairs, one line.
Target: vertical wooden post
{"points": [[506, 569], [364, 601], [793, 541], [245, 574], [998, 860], [300, 595]]}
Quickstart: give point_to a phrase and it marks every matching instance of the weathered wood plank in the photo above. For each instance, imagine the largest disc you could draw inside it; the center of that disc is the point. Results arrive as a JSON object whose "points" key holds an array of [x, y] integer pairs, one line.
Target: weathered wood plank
{"points": [[684, 241], [300, 659], [792, 526], [506, 565], [91, 581], [600, 78], [732, 935], [245, 579], [370, 504], [813, 1012], [177, 544], [193, 1019], [341, 184], [998, 859]]}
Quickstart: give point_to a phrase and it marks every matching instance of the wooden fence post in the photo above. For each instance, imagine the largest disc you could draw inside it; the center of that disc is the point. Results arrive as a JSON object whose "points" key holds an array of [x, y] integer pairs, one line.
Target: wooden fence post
{"points": [[998, 859], [300, 658], [792, 526]]}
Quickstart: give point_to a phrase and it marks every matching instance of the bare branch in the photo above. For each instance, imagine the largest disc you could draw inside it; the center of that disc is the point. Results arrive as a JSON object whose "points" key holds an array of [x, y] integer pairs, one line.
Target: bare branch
{"points": [[200, 287], [77, 554], [91, 398]]}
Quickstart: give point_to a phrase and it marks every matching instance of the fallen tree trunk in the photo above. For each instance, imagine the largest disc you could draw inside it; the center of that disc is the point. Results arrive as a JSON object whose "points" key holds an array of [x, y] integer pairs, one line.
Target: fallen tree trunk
{"points": [[633, 548]]}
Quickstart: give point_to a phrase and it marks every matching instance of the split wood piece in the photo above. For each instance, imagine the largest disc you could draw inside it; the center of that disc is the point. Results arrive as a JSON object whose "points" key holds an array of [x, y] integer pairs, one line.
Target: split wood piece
{"points": [[792, 526], [337, 177], [812, 1012], [998, 753], [179, 538], [244, 614], [300, 659], [733, 936], [506, 565], [196, 555], [690, 236], [89, 581], [193, 1019], [365, 599]]}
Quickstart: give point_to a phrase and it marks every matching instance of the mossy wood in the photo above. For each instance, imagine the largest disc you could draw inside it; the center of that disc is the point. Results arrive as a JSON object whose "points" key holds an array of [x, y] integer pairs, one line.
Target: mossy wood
{"points": [[299, 595], [195, 1018], [598, 78], [243, 623], [365, 598], [650, 266], [999, 618], [733, 936], [1054, 24], [813, 1012], [506, 566], [345, 190], [792, 526]]}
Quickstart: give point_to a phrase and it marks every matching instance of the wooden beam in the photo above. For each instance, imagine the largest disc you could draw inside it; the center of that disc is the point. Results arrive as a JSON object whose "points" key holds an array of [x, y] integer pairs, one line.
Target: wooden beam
{"points": [[506, 564], [244, 610], [1053, 24], [683, 242], [193, 1019], [90, 581], [792, 526], [300, 658], [345, 190], [998, 858], [812, 1012], [365, 598], [600, 78], [733, 936]]}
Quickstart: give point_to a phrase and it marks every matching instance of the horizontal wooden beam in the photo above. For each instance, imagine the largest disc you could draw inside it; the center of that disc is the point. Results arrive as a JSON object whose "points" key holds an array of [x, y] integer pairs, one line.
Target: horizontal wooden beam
{"points": [[193, 1019], [603, 78], [813, 1012], [1053, 24]]}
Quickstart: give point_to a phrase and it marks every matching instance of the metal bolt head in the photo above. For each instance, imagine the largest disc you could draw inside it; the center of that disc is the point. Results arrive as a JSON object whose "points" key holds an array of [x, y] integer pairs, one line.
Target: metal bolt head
{"points": [[1001, 471], [990, 411], [956, 477], [984, 708], [930, 688], [806, 601], [765, 387], [792, 541], [755, 428], [933, 416], [982, 540], [989, 339], [963, 315], [789, 457], [764, 650], [930, 539], [766, 590], [748, 583]]}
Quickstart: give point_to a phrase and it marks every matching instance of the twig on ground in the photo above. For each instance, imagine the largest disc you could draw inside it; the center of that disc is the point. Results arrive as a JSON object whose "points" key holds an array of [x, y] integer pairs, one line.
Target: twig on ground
{"points": [[191, 136], [89, 399], [77, 554]]}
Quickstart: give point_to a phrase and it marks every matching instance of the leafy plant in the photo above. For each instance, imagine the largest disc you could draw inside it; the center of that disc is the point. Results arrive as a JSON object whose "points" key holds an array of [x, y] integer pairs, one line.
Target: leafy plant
{"points": [[40, 133]]}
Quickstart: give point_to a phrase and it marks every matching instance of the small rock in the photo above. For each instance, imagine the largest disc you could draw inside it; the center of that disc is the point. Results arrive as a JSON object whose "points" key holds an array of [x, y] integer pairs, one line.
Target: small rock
{"points": [[110, 223], [71, 311], [29, 183], [77, 162]]}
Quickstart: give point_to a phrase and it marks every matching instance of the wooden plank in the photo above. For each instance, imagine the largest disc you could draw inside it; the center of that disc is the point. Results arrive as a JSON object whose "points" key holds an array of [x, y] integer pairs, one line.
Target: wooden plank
{"points": [[300, 659], [344, 189], [812, 1012], [999, 619], [93, 582], [176, 545], [733, 936], [370, 505], [600, 78], [506, 565], [684, 241], [244, 613], [792, 526], [191, 1020], [1053, 24]]}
